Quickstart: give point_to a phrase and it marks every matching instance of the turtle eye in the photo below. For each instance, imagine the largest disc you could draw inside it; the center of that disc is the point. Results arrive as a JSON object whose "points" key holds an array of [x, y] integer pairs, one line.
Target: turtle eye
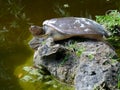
{"points": [[36, 30], [33, 27]]}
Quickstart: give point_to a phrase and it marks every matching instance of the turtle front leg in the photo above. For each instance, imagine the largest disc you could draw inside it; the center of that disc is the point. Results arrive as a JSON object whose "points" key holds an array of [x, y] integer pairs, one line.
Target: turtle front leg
{"points": [[49, 42]]}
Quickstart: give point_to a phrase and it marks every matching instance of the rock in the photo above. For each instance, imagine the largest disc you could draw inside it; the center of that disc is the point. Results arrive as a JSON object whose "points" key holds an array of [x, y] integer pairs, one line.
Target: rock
{"points": [[98, 71], [87, 65], [36, 42]]}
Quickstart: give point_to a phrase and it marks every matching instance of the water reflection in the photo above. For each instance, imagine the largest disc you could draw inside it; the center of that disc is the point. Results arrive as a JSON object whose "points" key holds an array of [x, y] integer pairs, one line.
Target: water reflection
{"points": [[17, 15]]}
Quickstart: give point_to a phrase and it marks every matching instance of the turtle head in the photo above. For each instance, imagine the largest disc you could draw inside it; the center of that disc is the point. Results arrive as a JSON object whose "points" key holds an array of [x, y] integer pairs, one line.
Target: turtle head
{"points": [[36, 30]]}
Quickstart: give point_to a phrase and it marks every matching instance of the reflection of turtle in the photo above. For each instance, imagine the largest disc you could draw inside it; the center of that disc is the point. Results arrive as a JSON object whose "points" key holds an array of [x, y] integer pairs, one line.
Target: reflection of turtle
{"points": [[63, 28]]}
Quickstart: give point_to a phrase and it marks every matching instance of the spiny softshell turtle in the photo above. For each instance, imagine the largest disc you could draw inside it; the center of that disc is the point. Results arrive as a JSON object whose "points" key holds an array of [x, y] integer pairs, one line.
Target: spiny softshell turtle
{"points": [[63, 28]]}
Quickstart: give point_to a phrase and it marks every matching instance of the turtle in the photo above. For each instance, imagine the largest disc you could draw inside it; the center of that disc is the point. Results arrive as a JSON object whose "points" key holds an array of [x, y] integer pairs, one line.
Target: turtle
{"points": [[67, 27]]}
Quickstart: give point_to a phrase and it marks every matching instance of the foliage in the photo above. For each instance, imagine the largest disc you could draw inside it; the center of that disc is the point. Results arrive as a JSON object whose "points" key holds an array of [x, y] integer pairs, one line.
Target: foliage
{"points": [[111, 21]]}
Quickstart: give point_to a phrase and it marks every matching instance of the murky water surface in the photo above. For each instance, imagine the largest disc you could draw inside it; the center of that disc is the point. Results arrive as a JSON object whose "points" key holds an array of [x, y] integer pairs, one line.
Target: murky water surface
{"points": [[15, 18]]}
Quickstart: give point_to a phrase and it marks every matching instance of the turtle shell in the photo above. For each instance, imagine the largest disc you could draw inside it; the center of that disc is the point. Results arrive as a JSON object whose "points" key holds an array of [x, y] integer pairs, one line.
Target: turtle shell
{"points": [[75, 25]]}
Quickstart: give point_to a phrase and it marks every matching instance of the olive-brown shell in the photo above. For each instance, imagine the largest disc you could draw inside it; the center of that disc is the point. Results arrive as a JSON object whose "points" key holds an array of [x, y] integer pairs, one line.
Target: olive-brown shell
{"points": [[75, 25]]}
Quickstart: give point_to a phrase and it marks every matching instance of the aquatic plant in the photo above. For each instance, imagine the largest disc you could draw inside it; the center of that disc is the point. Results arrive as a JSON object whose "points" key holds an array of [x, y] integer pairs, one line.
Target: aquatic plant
{"points": [[32, 74]]}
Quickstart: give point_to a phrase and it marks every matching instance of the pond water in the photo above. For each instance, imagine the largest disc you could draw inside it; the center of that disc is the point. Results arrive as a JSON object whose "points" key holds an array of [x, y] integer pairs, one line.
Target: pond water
{"points": [[15, 18]]}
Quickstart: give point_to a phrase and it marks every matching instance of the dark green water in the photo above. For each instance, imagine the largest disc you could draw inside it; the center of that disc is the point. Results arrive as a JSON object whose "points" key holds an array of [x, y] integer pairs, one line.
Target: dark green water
{"points": [[15, 18]]}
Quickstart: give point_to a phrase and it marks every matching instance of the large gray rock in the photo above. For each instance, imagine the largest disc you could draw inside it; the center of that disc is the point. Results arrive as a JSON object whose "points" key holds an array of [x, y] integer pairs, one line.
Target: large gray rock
{"points": [[87, 65], [99, 72]]}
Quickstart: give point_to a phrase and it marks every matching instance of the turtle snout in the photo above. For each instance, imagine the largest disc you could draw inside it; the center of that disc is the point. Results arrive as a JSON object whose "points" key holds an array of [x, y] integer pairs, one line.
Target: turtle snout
{"points": [[35, 30]]}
